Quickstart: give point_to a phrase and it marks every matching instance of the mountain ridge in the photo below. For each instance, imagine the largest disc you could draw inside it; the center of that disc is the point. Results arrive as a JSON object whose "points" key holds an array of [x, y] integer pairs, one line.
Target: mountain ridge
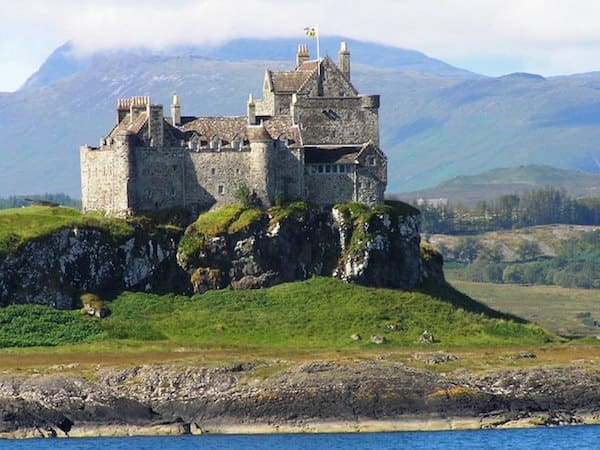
{"points": [[434, 125]]}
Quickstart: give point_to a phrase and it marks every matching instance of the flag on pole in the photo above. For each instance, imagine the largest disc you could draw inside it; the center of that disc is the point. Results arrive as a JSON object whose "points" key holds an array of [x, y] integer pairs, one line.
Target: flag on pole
{"points": [[311, 31]]}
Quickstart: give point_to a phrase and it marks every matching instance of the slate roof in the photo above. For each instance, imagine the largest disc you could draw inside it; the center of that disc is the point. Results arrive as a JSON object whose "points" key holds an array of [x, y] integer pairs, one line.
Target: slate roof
{"points": [[292, 81], [224, 127], [339, 155], [282, 125]]}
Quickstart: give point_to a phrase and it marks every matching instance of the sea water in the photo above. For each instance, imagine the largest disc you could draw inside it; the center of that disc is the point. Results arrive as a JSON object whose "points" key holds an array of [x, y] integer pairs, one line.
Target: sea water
{"points": [[580, 437]]}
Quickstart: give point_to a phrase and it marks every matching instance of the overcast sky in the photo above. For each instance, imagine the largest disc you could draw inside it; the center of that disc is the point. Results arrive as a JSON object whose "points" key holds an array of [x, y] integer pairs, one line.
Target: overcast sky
{"points": [[492, 37]]}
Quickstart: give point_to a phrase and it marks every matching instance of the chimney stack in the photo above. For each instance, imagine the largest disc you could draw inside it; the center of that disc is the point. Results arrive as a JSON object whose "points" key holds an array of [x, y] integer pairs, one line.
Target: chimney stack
{"points": [[302, 55], [344, 60], [175, 111]]}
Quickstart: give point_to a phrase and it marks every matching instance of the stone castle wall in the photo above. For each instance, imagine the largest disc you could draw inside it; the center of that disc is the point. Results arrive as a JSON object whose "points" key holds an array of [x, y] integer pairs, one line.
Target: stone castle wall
{"points": [[343, 120]]}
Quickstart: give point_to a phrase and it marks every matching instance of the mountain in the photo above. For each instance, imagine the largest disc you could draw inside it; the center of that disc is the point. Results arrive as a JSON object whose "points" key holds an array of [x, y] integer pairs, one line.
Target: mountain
{"points": [[493, 183], [437, 121]]}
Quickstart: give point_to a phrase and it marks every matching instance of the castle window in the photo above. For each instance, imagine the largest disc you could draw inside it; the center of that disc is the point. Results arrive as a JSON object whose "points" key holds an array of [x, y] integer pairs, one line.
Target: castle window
{"points": [[342, 168], [372, 161], [321, 168], [221, 189], [369, 184], [313, 169], [334, 168], [327, 168], [237, 143], [215, 143], [237, 171], [213, 171]]}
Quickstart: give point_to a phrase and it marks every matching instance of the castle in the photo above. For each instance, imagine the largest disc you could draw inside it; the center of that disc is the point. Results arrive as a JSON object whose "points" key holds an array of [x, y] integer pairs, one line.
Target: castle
{"points": [[312, 137]]}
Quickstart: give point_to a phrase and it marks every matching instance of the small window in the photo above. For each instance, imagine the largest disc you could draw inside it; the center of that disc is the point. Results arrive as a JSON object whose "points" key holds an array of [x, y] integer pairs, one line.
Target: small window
{"points": [[221, 189], [237, 171], [369, 184], [342, 168], [321, 168], [213, 171], [372, 161], [313, 169], [327, 168], [334, 168]]}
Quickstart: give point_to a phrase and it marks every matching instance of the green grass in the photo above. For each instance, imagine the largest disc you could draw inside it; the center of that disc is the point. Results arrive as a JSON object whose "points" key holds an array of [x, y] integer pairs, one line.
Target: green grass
{"points": [[20, 225], [319, 314], [564, 311], [35, 325]]}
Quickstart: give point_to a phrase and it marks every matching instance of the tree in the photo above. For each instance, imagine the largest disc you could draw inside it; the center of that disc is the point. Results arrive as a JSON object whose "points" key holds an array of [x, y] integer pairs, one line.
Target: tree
{"points": [[528, 250], [467, 249]]}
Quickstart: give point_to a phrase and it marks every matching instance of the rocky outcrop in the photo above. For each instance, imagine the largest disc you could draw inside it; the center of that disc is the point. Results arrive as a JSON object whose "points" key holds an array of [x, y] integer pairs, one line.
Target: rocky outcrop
{"points": [[377, 247], [54, 270], [297, 396]]}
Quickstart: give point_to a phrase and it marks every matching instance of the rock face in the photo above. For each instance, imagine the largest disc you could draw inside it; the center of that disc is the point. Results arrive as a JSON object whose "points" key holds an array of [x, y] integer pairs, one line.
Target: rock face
{"points": [[296, 396], [371, 247], [377, 247], [56, 269]]}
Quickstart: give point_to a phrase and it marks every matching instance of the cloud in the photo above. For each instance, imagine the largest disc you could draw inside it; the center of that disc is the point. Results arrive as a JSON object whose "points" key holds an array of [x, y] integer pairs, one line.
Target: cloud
{"points": [[546, 36]]}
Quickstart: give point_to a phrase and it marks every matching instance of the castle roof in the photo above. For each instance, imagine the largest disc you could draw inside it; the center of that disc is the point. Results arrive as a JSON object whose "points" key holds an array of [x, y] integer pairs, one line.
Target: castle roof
{"points": [[283, 125], [335, 155], [292, 81], [224, 127]]}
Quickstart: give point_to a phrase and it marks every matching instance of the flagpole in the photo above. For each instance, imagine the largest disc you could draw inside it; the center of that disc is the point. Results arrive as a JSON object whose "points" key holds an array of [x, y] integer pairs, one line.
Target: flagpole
{"points": [[318, 51]]}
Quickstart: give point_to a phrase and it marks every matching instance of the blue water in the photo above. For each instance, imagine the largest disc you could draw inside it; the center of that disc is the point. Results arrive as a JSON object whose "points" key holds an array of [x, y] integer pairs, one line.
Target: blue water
{"points": [[581, 438]]}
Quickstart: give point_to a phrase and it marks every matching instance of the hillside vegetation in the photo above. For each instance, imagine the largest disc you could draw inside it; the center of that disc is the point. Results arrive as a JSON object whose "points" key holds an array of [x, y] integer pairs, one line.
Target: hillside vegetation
{"points": [[492, 184], [19, 225], [318, 314]]}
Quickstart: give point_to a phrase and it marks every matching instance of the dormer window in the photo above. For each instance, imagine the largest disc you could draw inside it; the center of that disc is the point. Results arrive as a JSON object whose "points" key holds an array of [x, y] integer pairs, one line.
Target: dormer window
{"points": [[215, 143], [236, 144], [372, 161]]}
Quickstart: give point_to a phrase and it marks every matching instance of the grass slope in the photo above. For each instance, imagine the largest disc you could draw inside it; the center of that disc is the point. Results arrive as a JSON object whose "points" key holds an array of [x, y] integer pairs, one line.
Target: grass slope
{"points": [[19, 225], [318, 314], [565, 311]]}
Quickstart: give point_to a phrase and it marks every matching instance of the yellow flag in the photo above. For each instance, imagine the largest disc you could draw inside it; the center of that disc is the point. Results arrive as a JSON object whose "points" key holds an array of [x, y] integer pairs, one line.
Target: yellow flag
{"points": [[311, 31]]}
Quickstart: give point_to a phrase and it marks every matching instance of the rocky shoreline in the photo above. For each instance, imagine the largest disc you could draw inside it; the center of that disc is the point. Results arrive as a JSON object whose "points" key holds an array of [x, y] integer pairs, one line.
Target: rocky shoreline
{"points": [[283, 396]]}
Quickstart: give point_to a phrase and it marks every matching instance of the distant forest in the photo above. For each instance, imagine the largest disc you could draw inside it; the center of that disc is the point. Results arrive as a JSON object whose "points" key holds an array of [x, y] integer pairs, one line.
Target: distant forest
{"points": [[16, 201], [543, 206]]}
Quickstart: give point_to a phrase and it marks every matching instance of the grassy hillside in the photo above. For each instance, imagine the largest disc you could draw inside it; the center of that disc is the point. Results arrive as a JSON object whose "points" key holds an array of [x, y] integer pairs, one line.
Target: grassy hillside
{"points": [[568, 312], [18, 225], [319, 314], [492, 184]]}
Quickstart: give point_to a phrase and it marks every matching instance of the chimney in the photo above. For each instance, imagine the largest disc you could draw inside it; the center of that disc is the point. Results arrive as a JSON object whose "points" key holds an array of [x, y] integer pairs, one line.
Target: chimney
{"points": [[344, 60], [251, 110], [302, 55], [175, 111]]}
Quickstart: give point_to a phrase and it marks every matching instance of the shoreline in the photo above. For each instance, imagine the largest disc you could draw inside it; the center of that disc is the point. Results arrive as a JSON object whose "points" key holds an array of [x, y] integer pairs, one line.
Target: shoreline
{"points": [[310, 427]]}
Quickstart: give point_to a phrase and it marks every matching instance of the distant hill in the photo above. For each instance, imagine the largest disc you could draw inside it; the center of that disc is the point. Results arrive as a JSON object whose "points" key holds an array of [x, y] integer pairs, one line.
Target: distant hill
{"points": [[492, 184], [437, 121]]}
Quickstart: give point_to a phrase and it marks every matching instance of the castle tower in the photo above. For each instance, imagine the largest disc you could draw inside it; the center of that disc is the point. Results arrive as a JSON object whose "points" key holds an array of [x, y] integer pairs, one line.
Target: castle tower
{"points": [[302, 55], [121, 180], [344, 60], [176, 111], [261, 151], [251, 110]]}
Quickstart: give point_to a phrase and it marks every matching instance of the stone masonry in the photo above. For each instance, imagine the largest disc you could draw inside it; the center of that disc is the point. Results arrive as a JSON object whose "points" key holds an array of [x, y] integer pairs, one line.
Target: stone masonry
{"points": [[311, 137]]}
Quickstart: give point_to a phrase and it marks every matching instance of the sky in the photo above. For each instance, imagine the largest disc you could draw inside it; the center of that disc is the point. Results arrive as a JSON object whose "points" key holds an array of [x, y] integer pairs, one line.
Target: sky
{"points": [[492, 37]]}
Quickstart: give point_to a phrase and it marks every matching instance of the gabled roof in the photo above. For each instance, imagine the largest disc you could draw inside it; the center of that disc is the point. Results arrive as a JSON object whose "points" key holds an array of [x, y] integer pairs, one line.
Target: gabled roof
{"points": [[125, 125], [291, 81]]}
